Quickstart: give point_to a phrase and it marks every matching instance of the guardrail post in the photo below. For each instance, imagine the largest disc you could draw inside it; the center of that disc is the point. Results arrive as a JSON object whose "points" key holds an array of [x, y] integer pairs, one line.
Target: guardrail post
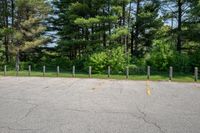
{"points": [[170, 73], [44, 70], [127, 72], [90, 71], [29, 70], [58, 71], [108, 71], [148, 72], [73, 71], [5, 70], [196, 74], [17, 70]]}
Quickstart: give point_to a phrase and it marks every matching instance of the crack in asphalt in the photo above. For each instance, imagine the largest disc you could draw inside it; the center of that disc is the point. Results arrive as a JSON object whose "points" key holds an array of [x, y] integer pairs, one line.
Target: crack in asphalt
{"points": [[30, 110], [78, 110], [21, 129], [143, 117], [28, 113]]}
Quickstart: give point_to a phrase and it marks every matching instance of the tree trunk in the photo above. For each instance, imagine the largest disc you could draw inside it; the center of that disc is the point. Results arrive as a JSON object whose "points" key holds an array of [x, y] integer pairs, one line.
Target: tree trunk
{"points": [[109, 7], [6, 38], [179, 41], [132, 40], [104, 31], [17, 59], [134, 50], [12, 12], [137, 29], [128, 23]]}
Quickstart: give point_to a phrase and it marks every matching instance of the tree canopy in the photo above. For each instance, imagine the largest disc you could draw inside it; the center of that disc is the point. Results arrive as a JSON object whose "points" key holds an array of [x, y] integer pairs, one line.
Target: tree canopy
{"points": [[92, 32]]}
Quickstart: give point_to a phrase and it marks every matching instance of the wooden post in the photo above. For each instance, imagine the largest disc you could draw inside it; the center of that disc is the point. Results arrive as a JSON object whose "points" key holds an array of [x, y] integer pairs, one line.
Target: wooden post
{"points": [[148, 72], [108, 71], [58, 71], [196, 74], [170, 73], [29, 70], [5, 70], [17, 70], [44, 70], [127, 72], [73, 71], [90, 71]]}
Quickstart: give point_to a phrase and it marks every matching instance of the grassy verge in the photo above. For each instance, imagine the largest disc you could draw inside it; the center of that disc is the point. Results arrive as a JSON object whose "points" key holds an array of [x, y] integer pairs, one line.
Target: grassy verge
{"points": [[154, 77]]}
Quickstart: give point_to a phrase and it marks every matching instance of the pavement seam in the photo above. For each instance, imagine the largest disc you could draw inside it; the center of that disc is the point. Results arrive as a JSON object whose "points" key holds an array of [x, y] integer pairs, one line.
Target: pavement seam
{"points": [[143, 117]]}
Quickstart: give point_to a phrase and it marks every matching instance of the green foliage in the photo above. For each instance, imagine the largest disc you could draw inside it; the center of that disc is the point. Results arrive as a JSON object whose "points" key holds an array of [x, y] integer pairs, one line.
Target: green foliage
{"points": [[163, 56], [117, 59], [119, 32], [87, 29], [52, 60], [181, 62], [114, 58], [31, 13], [80, 9], [86, 22], [195, 58], [98, 61], [23, 65], [160, 55], [145, 26]]}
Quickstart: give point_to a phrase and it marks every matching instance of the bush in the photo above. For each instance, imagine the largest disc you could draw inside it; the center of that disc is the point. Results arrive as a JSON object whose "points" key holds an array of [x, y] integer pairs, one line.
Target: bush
{"points": [[79, 63], [180, 62], [98, 61], [114, 58], [24, 65], [138, 65], [195, 58], [160, 56], [51, 62], [117, 59]]}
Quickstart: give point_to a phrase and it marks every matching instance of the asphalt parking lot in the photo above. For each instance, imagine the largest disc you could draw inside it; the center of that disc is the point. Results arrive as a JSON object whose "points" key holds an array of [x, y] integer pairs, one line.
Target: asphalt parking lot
{"points": [[67, 105]]}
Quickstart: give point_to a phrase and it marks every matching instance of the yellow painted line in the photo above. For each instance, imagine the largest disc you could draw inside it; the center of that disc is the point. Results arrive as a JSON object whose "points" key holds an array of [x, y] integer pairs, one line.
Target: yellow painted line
{"points": [[148, 89], [197, 87]]}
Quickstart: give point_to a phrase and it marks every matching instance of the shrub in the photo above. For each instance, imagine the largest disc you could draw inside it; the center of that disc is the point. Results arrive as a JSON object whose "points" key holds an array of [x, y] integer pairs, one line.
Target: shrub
{"points": [[24, 65], [51, 62], [98, 61], [195, 59], [180, 62], [115, 58], [160, 55]]}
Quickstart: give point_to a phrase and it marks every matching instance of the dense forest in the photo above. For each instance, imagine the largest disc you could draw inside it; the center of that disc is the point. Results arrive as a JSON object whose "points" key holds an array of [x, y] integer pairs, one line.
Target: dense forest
{"points": [[100, 33]]}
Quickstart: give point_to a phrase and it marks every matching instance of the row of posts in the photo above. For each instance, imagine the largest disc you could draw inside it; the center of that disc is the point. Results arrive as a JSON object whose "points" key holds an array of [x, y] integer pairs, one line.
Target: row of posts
{"points": [[171, 73], [109, 72]]}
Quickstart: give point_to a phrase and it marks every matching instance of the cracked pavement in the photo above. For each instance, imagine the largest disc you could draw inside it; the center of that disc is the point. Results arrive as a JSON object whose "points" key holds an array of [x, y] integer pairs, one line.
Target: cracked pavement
{"points": [[72, 105]]}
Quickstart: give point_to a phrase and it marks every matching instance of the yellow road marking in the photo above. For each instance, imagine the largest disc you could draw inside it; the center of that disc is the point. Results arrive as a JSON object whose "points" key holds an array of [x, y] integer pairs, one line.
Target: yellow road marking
{"points": [[196, 87], [148, 89]]}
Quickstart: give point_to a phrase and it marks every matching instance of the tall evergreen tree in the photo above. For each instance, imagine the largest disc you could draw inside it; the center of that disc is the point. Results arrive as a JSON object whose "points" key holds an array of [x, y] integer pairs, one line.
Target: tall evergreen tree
{"points": [[192, 24], [144, 26], [27, 26], [95, 25], [178, 10]]}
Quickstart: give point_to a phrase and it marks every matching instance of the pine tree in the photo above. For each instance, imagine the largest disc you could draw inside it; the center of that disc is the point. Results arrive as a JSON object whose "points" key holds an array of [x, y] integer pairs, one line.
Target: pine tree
{"points": [[92, 23], [4, 24], [146, 22], [178, 10], [28, 27], [192, 24]]}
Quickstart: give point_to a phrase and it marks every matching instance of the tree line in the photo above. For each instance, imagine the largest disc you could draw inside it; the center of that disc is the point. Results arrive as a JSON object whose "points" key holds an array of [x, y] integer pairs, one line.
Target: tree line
{"points": [[101, 33]]}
